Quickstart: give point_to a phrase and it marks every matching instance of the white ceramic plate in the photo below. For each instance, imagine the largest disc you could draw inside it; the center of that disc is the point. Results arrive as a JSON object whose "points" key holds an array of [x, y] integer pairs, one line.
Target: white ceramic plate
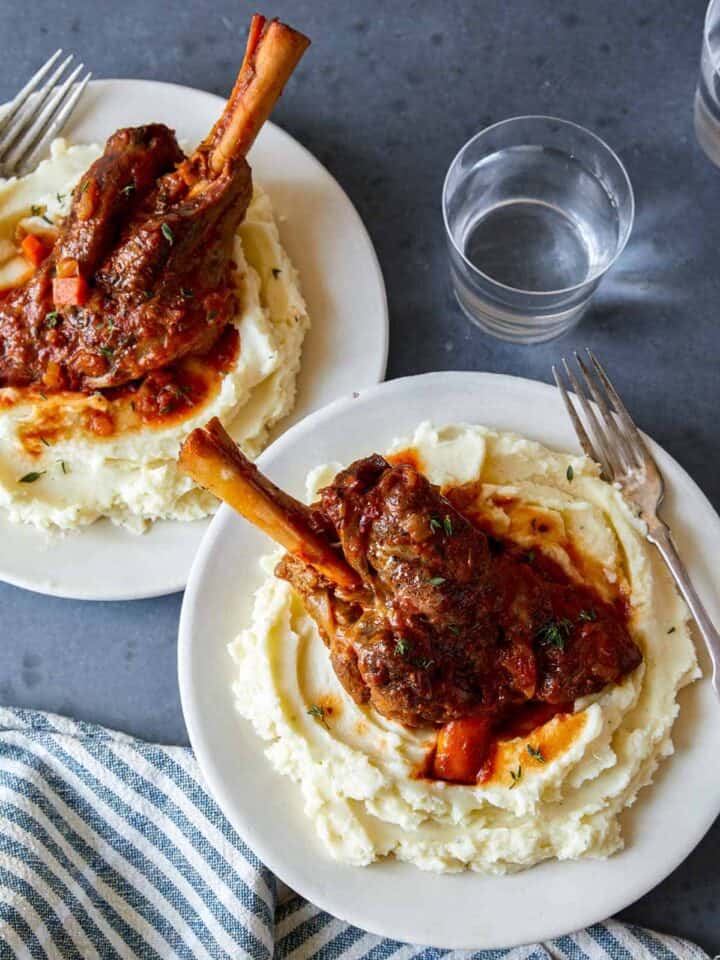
{"points": [[395, 899], [346, 348]]}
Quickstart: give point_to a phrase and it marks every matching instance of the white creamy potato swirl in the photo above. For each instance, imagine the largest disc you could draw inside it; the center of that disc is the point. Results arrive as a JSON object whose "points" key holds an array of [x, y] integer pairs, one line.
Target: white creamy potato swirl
{"points": [[555, 793], [131, 475]]}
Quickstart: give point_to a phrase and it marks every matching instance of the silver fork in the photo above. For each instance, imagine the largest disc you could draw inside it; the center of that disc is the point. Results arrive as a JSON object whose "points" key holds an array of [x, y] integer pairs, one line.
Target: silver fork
{"points": [[625, 460], [31, 122]]}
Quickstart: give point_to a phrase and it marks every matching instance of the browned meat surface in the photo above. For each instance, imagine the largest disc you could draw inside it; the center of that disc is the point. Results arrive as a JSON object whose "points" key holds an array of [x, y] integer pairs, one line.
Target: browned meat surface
{"points": [[160, 264], [112, 190], [446, 622], [427, 619], [141, 273]]}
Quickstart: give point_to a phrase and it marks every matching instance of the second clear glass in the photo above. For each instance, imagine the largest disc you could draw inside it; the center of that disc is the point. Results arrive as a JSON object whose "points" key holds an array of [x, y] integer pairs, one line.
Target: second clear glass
{"points": [[707, 95]]}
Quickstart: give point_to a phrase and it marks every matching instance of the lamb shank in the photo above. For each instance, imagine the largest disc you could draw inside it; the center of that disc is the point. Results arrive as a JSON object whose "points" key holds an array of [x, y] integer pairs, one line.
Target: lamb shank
{"points": [[426, 618], [141, 272]]}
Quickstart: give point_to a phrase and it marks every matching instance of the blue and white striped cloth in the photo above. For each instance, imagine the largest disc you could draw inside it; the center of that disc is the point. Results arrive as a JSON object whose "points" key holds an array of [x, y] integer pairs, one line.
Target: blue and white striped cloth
{"points": [[112, 847]]}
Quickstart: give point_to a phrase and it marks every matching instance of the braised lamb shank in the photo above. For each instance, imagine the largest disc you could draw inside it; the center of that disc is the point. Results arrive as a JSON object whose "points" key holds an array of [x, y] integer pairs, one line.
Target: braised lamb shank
{"points": [[426, 618], [140, 274]]}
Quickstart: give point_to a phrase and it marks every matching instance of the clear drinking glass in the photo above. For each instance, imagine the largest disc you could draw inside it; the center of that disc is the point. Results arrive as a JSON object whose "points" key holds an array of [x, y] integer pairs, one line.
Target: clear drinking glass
{"points": [[536, 211], [707, 95]]}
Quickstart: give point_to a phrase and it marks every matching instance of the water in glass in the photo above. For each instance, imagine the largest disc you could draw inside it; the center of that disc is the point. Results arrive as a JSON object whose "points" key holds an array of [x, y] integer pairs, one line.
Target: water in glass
{"points": [[554, 226]]}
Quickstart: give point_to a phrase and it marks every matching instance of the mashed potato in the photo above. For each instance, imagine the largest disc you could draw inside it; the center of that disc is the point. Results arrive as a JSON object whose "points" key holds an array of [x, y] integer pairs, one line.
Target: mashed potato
{"points": [[75, 475], [358, 771]]}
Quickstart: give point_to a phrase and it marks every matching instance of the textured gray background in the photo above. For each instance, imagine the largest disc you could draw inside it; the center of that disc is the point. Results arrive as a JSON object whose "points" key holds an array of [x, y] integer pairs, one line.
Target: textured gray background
{"points": [[384, 98]]}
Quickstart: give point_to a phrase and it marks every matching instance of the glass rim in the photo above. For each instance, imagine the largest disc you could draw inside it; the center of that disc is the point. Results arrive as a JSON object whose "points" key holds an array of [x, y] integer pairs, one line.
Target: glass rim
{"points": [[622, 241]]}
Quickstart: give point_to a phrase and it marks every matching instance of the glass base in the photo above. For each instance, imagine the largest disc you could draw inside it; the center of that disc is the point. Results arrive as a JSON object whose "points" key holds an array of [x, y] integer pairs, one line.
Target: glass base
{"points": [[516, 328]]}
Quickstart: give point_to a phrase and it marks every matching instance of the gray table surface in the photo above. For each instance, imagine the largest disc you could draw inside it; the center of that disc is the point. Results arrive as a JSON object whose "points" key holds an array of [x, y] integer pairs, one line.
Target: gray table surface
{"points": [[385, 97]]}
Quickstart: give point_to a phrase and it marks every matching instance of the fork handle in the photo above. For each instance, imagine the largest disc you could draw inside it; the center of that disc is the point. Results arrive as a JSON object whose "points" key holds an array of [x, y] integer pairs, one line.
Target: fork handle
{"points": [[660, 535]]}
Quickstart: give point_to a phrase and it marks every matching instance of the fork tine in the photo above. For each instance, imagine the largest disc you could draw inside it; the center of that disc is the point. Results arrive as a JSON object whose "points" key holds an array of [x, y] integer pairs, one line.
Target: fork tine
{"points": [[43, 120], [617, 466], [23, 94], [64, 111], [29, 111], [616, 438], [632, 435], [601, 445], [577, 423]]}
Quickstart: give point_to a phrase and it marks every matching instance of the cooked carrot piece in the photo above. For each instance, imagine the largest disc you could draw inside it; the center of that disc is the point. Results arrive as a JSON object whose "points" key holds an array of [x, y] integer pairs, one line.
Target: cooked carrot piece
{"points": [[70, 291], [67, 267], [462, 746], [34, 249], [53, 376]]}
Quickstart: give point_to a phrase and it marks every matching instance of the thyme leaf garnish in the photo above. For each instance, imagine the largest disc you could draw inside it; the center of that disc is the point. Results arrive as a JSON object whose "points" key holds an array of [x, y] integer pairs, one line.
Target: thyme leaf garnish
{"points": [[445, 524], [318, 713], [555, 632], [423, 663]]}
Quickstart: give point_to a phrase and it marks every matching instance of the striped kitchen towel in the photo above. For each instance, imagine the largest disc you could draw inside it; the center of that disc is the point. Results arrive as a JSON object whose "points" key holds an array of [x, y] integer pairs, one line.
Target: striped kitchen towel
{"points": [[112, 847]]}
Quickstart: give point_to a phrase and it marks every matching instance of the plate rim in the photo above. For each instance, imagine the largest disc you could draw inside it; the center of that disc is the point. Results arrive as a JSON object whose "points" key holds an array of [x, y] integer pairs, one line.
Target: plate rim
{"points": [[305, 886], [179, 583]]}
